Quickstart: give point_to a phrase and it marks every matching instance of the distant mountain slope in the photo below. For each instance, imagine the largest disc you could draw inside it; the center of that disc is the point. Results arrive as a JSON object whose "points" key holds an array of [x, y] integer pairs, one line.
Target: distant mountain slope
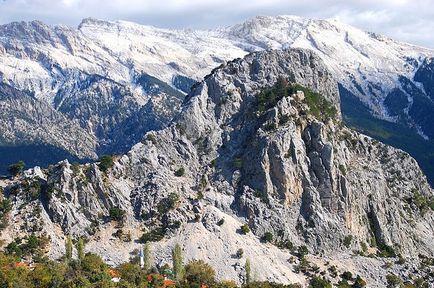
{"points": [[391, 79]]}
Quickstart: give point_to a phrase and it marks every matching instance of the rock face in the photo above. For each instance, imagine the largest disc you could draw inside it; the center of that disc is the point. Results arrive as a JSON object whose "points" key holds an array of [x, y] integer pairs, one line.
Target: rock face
{"points": [[287, 171], [118, 80]]}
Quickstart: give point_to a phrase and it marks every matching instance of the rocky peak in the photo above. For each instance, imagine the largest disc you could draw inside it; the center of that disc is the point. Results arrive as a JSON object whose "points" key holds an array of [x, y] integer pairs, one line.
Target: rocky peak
{"points": [[32, 32], [288, 169], [89, 22]]}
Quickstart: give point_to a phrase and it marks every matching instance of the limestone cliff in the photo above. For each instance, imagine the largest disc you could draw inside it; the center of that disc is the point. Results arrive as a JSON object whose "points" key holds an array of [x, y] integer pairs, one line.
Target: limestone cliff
{"points": [[288, 168]]}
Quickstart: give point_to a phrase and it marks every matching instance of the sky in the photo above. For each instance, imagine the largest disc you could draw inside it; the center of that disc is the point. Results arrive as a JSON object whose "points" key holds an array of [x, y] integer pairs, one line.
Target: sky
{"points": [[406, 20]]}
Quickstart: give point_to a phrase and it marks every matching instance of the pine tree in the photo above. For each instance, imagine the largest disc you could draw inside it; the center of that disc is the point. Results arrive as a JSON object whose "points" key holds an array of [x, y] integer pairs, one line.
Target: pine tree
{"points": [[147, 255], [178, 268], [248, 271], [80, 249], [68, 248]]}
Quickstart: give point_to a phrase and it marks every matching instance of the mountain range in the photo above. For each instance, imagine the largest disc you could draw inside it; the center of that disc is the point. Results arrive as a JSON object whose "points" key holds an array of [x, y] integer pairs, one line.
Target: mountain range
{"points": [[221, 141], [107, 83]]}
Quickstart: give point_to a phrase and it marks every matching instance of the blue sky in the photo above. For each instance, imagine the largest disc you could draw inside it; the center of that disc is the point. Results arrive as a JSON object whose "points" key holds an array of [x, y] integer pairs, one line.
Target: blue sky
{"points": [[410, 21]]}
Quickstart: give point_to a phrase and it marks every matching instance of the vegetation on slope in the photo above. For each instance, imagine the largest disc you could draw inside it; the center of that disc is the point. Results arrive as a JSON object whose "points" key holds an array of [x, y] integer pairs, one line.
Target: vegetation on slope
{"points": [[319, 106]]}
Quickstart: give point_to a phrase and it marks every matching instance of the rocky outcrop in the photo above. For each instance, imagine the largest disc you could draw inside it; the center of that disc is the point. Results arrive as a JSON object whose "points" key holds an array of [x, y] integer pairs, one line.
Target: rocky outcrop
{"points": [[94, 76], [290, 171]]}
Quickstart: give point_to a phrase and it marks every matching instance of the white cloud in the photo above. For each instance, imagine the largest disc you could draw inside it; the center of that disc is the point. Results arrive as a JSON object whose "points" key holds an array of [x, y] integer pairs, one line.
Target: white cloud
{"points": [[411, 21]]}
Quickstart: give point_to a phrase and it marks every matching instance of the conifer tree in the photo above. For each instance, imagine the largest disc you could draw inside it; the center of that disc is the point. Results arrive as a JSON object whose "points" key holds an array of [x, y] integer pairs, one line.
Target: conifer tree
{"points": [[80, 249], [178, 268], [248, 271], [68, 248], [147, 255]]}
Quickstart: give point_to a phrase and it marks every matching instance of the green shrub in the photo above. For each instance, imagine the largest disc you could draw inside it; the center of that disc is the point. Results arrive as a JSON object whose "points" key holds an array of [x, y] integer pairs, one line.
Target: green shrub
{"points": [[401, 260], [203, 183], [152, 138], [245, 229], [302, 251], [343, 284], [154, 235], [32, 189], [422, 202], [385, 251], [286, 244], [393, 280], [319, 106], [116, 214], [359, 282], [168, 203], [342, 169], [347, 241], [364, 247], [26, 246], [269, 97], [267, 237], [75, 167], [105, 162], [213, 163], [180, 172], [5, 206], [17, 168], [198, 272], [347, 275], [317, 282]]}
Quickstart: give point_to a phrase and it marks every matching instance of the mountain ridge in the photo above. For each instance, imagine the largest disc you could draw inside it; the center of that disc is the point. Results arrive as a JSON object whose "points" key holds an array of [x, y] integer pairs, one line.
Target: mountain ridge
{"points": [[287, 170], [374, 69]]}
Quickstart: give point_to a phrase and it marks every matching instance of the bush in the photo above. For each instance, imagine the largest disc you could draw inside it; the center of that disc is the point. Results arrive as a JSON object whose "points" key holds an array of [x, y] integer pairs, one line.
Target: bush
{"points": [[33, 189], [422, 202], [105, 162], [152, 138], [268, 237], [364, 247], [343, 284], [132, 274], [359, 282], [26, 246], [286, 244], [317, 282], [347, 275], [393, 280], [347, 241], [245, 229], [302, 251], [180, 172], [75, 167], [154, 235], [342, 169], [116, 214], [385, 251], [240, 253], [167, 203], [5, 206], [319, 106], [198, 273], [17, 168]]}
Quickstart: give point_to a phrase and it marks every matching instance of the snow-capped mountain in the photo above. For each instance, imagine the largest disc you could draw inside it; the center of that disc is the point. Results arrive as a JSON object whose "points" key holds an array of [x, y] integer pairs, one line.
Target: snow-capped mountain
{"points": [[112, 77]]}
